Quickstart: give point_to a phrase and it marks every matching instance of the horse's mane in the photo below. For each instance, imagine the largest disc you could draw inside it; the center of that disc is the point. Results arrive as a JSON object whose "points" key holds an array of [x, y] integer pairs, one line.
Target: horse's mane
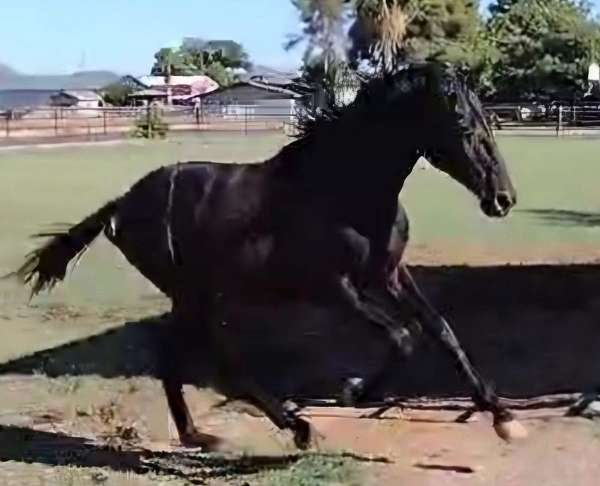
{"points": [[372, 89], [311, 119], [372, 93]]}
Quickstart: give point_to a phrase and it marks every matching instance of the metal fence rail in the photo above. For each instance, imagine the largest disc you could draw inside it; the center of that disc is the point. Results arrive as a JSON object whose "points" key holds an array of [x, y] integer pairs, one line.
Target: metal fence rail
{"points": [[77, 122], [555, 118], [561, 118]]}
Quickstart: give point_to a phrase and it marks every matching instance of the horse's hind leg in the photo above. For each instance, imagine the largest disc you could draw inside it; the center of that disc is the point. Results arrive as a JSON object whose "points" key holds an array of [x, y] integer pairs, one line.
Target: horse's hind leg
{"points": [[279, 416], [251, 391], [170, 363]]}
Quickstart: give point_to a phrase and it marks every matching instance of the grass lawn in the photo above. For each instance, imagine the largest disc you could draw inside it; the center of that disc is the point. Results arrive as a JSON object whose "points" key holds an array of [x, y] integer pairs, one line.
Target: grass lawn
{"points": [[558, 178], [557, 216]]}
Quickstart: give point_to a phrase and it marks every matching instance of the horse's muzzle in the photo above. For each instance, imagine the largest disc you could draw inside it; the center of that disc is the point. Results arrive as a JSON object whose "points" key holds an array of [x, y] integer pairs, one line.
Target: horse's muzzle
{"points": [[499, 205]]}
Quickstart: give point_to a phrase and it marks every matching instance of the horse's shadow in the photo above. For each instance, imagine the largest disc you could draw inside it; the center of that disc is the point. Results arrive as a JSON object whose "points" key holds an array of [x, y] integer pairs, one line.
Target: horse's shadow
{"points": [[531, 329], [563, 217]]}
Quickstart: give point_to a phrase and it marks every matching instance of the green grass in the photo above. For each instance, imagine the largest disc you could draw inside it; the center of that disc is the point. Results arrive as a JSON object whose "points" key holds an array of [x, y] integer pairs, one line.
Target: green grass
{"points": [[315, 470], [549, 173], [43, 186], [39, 187]]}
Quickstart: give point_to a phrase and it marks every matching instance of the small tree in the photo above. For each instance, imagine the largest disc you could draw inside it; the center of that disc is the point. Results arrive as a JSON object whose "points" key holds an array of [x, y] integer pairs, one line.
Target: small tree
{"points": [[117, 94], [150, 125]]}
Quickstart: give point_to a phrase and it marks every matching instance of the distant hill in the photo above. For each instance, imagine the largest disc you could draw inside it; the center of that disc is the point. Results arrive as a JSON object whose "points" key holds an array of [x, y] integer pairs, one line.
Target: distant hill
{"points": [[11, 80]]}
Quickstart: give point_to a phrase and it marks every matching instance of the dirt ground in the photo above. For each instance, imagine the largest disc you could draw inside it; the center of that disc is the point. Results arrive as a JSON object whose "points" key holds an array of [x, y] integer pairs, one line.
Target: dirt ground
{"points": [[91, 410]]}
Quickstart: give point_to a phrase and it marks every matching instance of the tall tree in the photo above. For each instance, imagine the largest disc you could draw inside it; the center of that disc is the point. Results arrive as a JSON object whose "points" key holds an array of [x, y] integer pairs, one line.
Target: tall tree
{"points": [[170, 62], [216, 59], [323, 31], [387, 31], [416, 29], [543, 47], [231, 53]]}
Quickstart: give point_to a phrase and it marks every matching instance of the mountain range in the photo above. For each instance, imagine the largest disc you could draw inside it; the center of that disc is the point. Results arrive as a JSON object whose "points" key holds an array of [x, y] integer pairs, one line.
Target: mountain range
{"points": [[13, 80]]}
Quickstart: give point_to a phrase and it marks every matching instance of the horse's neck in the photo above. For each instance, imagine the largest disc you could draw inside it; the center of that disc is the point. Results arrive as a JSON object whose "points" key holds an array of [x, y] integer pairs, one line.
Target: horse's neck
{"points": [[356, 177]]}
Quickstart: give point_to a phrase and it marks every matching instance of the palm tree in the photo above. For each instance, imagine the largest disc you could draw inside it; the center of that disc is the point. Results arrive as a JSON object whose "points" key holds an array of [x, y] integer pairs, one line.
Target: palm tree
{"points": [[168, 62], [323, 31], [380, 29]]}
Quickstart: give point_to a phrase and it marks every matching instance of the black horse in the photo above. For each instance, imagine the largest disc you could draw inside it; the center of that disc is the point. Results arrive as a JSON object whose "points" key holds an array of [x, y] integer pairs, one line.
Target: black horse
{"points": [[320, 222]]}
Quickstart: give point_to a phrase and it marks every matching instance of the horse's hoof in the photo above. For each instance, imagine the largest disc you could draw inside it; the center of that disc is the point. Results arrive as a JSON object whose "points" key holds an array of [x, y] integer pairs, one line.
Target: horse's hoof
{"points": [[467, 415], [510, 430], [305, 435], [205, 442], [353, 390]]}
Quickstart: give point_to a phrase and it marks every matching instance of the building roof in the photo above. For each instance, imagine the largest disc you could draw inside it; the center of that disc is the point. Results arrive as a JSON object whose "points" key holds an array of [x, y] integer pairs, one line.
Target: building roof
{"points": [[256, 87], [80, 95], [149, 93], [271, 75], [200, 84]]}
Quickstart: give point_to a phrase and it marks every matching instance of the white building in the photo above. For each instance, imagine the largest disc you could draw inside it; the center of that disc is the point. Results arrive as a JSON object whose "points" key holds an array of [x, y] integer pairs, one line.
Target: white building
{"points": [[76, 99]]}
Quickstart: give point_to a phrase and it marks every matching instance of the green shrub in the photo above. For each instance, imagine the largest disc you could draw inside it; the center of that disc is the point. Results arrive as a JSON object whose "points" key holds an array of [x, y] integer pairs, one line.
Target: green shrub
{"points": [[150, 125]]}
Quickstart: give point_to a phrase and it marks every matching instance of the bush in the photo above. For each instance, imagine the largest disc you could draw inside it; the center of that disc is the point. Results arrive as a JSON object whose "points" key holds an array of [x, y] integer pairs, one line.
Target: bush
{"points": [[150, 125], [117, 94]]}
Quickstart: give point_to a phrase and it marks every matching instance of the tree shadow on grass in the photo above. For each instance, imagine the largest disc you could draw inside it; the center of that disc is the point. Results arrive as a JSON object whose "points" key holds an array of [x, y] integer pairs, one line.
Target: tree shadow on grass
{"points": [[563, 217]]}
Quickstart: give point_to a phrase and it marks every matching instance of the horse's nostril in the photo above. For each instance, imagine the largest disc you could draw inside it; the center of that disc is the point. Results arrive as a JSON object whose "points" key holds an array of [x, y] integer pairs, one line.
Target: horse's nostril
{"points": [[504, 200]]}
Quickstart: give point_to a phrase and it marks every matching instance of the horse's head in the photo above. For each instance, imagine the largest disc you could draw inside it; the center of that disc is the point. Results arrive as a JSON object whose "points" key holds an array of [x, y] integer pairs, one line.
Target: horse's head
{"points": [[457, 138]]}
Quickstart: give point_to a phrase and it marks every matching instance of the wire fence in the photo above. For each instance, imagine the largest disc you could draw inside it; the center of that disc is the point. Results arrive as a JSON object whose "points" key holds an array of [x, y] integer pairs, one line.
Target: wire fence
{"points": [[556, 118], [97, 121], [552, 118]]}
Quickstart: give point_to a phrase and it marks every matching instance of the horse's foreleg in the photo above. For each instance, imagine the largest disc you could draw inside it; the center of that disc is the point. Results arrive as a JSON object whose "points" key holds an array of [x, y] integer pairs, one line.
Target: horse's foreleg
{"points": [[583, 405], [389, 317], [438, 328]]}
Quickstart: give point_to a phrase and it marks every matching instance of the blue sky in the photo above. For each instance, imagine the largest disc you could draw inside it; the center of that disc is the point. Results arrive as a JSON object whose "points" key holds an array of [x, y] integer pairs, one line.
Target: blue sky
{"points": [[60, 36]]}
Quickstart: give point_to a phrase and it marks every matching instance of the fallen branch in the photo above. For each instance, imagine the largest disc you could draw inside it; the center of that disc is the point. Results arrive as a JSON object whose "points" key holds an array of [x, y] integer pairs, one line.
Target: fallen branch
{"points": [[456, 404]]}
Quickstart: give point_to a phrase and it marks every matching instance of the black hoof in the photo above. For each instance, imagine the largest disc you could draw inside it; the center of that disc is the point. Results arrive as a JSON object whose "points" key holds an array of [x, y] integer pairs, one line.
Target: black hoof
{"points": [[303, 434], [588, 406], [464, 417], [353, 391], [206, 442]]}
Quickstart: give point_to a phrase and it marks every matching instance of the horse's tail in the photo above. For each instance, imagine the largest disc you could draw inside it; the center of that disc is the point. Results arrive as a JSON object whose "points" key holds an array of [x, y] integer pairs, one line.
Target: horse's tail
{"points": [[47, 265]]}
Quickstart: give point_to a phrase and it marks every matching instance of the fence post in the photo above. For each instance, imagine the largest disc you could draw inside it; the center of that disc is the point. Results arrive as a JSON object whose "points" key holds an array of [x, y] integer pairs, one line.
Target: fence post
{"points": [[104, 120], [559, 121], [55, 121], [148, 120], [246, 120], [8, 124]]}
